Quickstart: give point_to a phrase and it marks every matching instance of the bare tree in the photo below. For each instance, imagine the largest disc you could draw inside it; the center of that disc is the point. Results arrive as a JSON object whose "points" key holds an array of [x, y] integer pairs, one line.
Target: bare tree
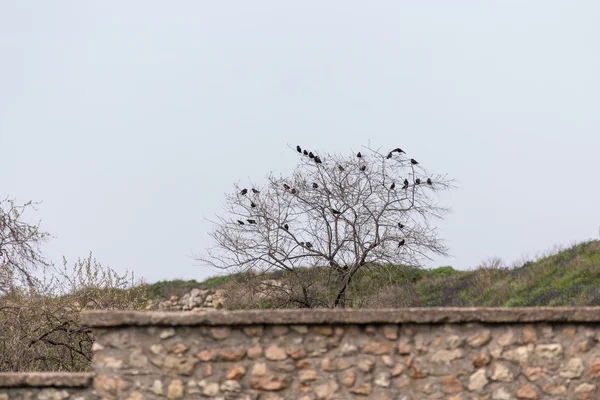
{"points": [[20, 253], [339, 212]]}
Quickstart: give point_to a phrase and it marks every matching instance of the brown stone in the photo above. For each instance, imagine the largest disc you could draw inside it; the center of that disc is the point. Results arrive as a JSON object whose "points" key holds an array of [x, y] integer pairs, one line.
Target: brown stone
{"points": [[446, 356], [362, 390], [415, 373], [338, 331], [526, 392], [451, 385], [378, 348], [585, 391], [481, 360], [349, 378], [344, 363], [303, 363], [402, 382], [254, 352], [206, 355], [326, 390], [231, 355], [326, 364], [279, 330], [594, 368], [390, 332], [366, 365], [502, 373], [181, 365], [535, 373], [398, 369], [555, 390], [585, 345], [270, 382], [507, 338], [322, 330], [179, 348], [529, 334], [403, 348], [109, 385], [307, 375], [549, 351], [253, 331], [236, 372], [132, 396], [220, 333], [570, 332], [370, 330], [175, 390], [478, 380], [480, 338], [275, 353], [574, 369], [387, 360], [296, 352], [259, 369]]}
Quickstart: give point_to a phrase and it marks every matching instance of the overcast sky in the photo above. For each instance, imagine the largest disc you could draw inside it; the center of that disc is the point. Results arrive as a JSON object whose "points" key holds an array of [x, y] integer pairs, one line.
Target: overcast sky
{"points": [[129, 120]]}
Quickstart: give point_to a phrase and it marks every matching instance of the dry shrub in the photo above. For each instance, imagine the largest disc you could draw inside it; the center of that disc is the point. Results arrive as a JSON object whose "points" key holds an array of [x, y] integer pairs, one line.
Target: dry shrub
{"points": [[40, 327]]}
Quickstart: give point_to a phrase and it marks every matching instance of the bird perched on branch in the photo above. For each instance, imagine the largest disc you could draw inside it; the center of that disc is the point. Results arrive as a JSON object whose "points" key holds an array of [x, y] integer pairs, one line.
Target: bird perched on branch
{"points": [[255, 191], [413, 161], [286, 227], [398, 150], [389, 156], [311, 155], [293, 191], [318, 160], [243, 192], [251, 221], [309, 245], [400, 225], [418, 181], [315, 186], [299, 149], [393, 186], [341, 168], [363, 168], [429, 181], [286, 186], [253, 204], [305, 152], [336, 212], [401, 243], [358, 155], [240, 222]]}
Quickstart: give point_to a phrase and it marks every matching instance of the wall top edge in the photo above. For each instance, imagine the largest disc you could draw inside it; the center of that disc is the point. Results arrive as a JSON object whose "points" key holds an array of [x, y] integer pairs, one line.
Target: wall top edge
{"points": [[46, 379], [441, 315]]}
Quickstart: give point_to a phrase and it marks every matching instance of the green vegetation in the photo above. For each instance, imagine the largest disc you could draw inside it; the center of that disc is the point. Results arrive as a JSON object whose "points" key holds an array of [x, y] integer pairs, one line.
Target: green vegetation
{"points": [[567, 278]]}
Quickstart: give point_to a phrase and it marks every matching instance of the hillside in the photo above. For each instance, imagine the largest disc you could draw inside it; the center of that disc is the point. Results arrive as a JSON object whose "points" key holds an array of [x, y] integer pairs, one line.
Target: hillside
{"points": [[570, 277]]}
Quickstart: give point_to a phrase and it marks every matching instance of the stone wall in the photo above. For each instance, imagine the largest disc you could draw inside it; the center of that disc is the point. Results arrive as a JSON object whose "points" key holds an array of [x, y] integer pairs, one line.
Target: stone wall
{"points": [[531, 353], [46, 386]]}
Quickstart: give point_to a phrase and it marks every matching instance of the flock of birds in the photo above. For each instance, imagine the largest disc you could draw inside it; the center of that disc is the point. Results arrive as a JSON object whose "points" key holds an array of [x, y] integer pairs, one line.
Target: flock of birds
{"points": [[318, 160]]}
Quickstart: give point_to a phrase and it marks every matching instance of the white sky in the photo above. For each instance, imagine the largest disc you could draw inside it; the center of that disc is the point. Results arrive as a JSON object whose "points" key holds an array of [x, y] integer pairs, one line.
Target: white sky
{"points": [[129, 120]]}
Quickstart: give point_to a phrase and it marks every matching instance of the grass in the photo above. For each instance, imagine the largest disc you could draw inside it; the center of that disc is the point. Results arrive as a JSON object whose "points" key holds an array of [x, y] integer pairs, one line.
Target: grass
{"points": [[570, 277]]}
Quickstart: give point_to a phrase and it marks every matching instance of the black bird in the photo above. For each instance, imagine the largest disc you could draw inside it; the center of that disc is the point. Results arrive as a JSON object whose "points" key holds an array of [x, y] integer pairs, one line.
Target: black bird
{"points": [[286, 227], [364, 167], [359, 155], [305, 152], [389, 156], [243, 192], [251, 221], [341, 168], [315, 186], [286, 186], [309, 245], [401, 243], [398, 150], [406, 182], [293, 191], [400, 225], [299, 149], [301, 243], [253, 204], [240, 222], [429, 181], [318, 160], [413, 161], [393, 185], [418, 181], [311, 155], [345, 267], [336, 212], [255, 191]]}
